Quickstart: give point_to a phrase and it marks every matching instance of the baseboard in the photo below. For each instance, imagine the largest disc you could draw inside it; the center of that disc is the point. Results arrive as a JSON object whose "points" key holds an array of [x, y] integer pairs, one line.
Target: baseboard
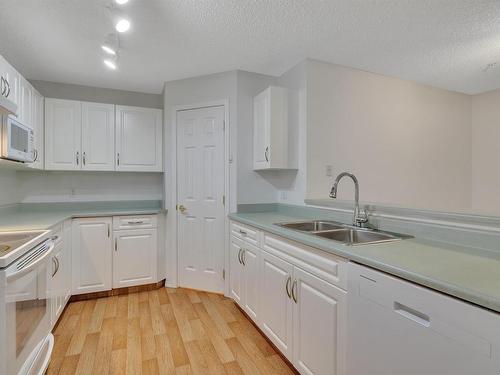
{"points": [[118, 291]]}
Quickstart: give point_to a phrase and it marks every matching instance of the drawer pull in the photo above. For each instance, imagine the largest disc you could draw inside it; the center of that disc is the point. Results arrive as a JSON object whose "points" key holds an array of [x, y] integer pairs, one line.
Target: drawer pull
{"points": [[243, 233], [409, 313], [136, 222]]}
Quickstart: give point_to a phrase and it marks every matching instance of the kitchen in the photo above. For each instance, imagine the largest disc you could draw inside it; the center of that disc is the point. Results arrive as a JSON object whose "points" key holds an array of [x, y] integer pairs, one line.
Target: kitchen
{"points": [[265, 187]]}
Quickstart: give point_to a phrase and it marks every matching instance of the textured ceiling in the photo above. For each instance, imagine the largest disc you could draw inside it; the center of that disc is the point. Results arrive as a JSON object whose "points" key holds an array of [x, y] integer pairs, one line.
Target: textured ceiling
{"points": [[444, 43]]}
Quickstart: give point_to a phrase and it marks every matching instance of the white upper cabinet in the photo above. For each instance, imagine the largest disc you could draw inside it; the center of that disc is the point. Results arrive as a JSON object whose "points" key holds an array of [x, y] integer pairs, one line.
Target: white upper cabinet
{"points": [[63, 122], [25, 113], [98, 137], [272, 148], [37, 110], [138, 139], [9, 85]]}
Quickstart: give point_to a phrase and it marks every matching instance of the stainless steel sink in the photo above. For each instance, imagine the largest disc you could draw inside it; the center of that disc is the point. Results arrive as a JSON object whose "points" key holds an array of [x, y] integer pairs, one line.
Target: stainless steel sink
{"points": [[348, 235], [312, 226], [351, 236]]}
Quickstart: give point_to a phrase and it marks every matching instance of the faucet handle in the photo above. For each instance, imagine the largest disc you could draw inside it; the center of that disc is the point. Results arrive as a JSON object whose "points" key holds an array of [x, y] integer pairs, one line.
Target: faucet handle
{"points": [[362, 217]]}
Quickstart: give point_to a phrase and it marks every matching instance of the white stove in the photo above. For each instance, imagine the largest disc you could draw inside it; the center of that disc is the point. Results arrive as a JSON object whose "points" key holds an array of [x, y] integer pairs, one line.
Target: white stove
{"points": [[15, 244], [25, 301]]}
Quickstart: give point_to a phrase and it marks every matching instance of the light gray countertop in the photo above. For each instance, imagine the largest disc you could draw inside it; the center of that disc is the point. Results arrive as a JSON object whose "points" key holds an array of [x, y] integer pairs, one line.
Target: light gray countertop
{"points": [[466, 273], [32, 216]]}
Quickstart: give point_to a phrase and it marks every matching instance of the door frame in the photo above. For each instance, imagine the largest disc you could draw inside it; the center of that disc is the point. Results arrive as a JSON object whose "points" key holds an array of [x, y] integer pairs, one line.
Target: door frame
{"points": [[173, 281]]}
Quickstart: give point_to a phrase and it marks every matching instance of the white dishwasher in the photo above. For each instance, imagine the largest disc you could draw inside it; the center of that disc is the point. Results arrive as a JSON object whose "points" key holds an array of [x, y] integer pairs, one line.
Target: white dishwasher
{"points": [[396, 327]]}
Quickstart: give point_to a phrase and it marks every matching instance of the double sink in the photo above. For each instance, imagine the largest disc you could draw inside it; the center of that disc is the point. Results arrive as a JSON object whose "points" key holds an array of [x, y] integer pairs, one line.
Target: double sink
{"points": [[346, 234]]}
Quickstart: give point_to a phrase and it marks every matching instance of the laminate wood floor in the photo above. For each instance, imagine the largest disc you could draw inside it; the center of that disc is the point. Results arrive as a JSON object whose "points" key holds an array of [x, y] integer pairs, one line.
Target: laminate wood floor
{"points": [[164, 331]]}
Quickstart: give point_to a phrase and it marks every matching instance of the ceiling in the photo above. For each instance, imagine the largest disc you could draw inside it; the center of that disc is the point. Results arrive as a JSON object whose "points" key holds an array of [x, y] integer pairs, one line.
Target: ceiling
{"points": [[444, 43]]}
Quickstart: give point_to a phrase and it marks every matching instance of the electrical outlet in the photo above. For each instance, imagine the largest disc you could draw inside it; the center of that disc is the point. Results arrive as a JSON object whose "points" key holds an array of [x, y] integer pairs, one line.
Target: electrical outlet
{"points": [[329, 171]]}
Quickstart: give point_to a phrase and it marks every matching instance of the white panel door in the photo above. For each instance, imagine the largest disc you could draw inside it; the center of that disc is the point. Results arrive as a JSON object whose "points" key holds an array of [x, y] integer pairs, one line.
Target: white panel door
{"points": [[276, 307], [98, 136], [91, 255], [200, 191], [236, 271], [139, 139], [63, 125], [134, 257], [319, 320], [251, 266]]}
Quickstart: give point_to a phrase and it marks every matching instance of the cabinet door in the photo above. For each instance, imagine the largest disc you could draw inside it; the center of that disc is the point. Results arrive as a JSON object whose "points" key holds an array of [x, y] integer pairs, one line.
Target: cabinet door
{"points": [[251, 264], [37, 109], [98, 137], [236, 271], [63, 123], [319, 320], [261, 130], [138, 139], [57, 283], [91, 255], [275, 304], [134, 257], [25, 102], [10, 85]]}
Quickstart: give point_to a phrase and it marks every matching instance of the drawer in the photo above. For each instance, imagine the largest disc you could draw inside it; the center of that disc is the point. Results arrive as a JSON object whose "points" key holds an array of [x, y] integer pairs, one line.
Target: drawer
{"points": [[326, 266], [134, 222], [246, 233]]}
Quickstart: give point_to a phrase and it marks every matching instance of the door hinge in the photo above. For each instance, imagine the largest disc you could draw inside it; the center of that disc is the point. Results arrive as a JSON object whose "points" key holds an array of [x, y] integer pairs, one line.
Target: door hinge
{"points": [[223, 274], [223, 200]]}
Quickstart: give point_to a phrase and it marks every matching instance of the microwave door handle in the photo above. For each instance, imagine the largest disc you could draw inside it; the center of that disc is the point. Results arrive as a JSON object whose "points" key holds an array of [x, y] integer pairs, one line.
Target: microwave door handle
{"points": [[29, 267]]}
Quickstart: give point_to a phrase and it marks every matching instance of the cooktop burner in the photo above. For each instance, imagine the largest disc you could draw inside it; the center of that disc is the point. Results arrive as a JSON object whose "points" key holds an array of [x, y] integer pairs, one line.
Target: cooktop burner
{"points": [[10, 241]]}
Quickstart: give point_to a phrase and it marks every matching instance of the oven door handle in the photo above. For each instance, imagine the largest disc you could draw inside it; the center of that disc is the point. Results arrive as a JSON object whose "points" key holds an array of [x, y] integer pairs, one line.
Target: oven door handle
{"points": [[30, 266]]}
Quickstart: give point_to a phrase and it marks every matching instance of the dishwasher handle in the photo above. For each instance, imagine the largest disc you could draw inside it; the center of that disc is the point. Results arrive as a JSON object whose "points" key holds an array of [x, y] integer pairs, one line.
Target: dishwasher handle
{"points": [[412, 314]]}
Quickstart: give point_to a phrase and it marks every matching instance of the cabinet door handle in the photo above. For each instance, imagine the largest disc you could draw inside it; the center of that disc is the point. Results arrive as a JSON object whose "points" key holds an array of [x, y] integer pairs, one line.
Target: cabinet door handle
{"points": [[243, 252], [294, 291], [239, 256], [118, 159], [116, 244], [287, 286], [2, 85], [8, 88], [109, 232], [55, 266], [266, 154], [78, 158], [35, 155], [84, 157]]}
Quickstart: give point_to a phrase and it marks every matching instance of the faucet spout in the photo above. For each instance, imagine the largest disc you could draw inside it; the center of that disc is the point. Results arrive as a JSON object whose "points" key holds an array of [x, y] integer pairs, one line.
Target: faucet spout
{"points": [[360, 217]]}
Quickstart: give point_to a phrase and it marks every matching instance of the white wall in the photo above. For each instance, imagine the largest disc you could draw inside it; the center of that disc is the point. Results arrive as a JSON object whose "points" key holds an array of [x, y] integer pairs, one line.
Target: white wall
{"points": [[56, 186], [97, 94], [485, 152], [407, 143], [9, 187]]}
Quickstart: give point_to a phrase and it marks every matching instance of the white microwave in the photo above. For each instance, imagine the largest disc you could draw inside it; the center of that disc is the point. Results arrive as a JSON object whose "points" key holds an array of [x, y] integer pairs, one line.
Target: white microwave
{"points": [[17, 140]]}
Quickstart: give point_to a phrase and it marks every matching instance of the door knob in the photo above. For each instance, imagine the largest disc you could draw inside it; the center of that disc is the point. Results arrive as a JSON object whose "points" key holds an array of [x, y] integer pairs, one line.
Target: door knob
{"points": [[182, 209]]}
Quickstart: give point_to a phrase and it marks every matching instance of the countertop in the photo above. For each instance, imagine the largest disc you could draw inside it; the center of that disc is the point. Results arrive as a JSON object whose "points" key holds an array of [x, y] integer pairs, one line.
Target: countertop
{"points": [[34, 216], [461, 272]]}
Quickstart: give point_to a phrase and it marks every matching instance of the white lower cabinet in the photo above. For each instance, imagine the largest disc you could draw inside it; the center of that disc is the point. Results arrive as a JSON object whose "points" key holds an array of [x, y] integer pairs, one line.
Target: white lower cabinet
{"points": [[134, 257], [92, 257], [61, 272], [319, 325], [302, 314], [245, 264], [277, 308]]}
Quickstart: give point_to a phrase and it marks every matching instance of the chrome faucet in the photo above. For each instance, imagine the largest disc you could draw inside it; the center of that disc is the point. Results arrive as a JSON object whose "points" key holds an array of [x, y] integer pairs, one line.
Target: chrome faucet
{"points": [[360, 216]]}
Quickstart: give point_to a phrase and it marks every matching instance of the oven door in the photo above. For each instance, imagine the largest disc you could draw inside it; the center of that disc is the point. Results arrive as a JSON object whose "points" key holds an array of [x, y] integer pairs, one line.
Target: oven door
{"points": [[27, 303], [18, 142]]}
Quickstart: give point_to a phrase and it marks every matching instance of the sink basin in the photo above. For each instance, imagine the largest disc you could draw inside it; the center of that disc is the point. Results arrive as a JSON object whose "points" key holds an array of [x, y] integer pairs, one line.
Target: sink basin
{"points": [[351, 236], [312, 226]]}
